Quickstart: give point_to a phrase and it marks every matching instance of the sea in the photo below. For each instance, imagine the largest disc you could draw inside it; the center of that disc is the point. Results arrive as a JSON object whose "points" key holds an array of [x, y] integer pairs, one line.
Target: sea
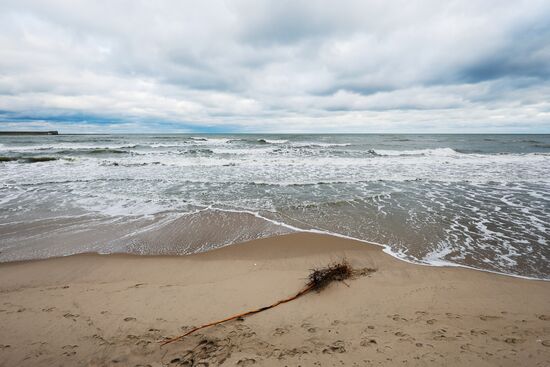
{"points": [[478, 201]]}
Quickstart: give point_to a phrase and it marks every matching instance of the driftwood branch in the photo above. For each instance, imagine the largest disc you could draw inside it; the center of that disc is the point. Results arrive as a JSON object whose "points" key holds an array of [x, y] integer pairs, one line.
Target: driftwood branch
{"points": [[318, 280]]}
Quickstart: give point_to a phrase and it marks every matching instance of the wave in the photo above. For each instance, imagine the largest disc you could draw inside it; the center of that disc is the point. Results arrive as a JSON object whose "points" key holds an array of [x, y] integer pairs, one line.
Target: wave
{"points": [[156, 145], [142, 164], [23, 148], [319, 145], [530, 141], [198, 151], [27, 159], [275, 141], [7, 159], [261, 141], [38, 159], [211, 140], [444, 152], [106, 151], [64, 147]]}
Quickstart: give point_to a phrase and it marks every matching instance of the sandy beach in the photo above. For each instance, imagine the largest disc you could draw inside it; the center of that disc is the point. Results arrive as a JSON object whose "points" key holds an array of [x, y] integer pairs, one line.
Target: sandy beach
{"points": [[104, 310]]}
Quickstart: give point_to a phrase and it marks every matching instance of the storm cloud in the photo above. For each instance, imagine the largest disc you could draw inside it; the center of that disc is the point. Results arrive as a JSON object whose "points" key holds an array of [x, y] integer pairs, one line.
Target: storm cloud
{"points": [[284, 66]]}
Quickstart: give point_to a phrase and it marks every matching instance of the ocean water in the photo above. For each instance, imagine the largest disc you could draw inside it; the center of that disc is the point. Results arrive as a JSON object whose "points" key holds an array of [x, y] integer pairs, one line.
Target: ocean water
{"points": [[481, 201]]}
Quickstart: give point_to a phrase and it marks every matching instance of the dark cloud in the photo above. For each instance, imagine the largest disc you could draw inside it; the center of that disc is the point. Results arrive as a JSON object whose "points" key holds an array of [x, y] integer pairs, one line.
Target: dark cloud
{"points": [[524, 54], [265, 24]]}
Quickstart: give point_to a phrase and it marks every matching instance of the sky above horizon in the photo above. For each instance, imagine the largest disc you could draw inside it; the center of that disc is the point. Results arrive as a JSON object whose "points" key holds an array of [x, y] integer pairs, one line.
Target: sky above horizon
{"points": [[275, 66]]}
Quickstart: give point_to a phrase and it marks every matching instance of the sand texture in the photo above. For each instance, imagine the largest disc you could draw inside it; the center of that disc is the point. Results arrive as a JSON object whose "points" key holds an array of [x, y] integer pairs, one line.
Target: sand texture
{"points": [[112, 310]]}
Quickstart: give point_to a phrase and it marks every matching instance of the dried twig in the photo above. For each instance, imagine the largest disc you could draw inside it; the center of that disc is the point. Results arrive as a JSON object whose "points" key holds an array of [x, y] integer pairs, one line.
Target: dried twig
{"points": [[318, 280]]}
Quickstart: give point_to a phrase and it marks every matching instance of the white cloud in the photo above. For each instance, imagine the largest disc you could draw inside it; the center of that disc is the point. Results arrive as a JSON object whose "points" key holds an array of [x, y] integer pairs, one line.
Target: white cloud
{"points": [[276, 65]]}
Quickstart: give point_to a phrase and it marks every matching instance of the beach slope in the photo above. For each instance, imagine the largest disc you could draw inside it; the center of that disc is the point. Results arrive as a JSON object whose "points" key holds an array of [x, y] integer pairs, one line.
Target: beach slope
{"points": [[103, 310]]}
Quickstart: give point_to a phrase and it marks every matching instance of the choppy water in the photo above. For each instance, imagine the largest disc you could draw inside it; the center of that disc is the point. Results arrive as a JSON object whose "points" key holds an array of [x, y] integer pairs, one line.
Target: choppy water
{"points": [[476, 200]]}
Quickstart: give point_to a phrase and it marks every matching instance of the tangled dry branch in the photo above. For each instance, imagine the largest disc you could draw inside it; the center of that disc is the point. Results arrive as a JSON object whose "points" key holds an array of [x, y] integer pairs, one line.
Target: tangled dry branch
{"points": [[318, 279]]}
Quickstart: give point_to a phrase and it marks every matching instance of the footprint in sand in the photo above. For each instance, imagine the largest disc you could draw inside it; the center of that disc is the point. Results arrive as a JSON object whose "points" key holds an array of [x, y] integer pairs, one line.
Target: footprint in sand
{"points": [[100, 340], [243, 331], [280, 331], [143, 343], [397, 317], [404, 337], [336, 347], [368, 342], [246, 362], [489, 317], [310, 328], [71, 316], [452, 315], [294, 352], [478, 332], [69, 350], [440, 335]]}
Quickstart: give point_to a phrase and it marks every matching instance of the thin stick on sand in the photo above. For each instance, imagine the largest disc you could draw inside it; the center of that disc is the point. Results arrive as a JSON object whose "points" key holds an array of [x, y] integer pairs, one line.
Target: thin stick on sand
{"points": [[318, 280]]}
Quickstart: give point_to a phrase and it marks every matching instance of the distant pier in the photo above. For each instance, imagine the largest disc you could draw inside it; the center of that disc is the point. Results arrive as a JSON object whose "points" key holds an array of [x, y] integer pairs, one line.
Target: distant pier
{"points": [[53, 132]]}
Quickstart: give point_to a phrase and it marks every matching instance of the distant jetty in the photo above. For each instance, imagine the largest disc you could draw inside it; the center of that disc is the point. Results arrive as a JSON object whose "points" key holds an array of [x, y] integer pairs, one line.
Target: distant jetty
{"points": [[54, 132]]}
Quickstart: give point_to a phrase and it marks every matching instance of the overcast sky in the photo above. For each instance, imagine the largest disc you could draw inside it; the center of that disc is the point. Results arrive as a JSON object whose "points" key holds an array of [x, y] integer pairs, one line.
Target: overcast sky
{"points": [[275, 66]]}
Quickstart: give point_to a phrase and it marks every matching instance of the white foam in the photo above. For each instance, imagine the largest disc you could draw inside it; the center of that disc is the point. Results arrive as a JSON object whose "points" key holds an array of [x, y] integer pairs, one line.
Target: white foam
{"points": [[276, 141], [64, 146], [434, 260], [213, 141], [164, 145], [318, 144], [443, 152]]}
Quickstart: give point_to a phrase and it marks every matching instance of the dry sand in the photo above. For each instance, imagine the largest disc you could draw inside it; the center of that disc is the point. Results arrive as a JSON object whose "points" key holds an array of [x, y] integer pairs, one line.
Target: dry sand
{"points": [[92, 310]]}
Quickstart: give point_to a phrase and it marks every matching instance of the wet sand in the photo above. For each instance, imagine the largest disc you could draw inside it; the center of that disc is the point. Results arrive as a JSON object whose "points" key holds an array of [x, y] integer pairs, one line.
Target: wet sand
{"points": [[104, 310]]}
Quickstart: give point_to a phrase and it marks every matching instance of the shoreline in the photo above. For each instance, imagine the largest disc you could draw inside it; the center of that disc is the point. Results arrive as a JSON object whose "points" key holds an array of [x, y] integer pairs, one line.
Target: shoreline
{"points": [[97, 310], [385, 248]]}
